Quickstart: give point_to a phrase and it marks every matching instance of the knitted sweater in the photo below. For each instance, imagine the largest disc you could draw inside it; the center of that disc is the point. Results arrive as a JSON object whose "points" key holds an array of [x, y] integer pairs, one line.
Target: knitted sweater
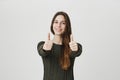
{"points": [[52, 68]]}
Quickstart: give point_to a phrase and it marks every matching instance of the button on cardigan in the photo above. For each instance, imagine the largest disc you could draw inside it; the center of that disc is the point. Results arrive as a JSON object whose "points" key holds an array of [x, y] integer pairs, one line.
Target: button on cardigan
{"points": [[52, 68]]}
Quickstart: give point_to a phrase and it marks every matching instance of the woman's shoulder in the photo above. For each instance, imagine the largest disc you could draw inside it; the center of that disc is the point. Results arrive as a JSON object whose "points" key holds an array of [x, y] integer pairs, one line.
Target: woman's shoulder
{"points": [[40, 43], [79, 44]]}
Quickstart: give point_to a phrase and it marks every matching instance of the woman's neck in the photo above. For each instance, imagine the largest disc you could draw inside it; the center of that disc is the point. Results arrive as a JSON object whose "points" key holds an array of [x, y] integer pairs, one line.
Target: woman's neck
{"points": [[57, 39]]}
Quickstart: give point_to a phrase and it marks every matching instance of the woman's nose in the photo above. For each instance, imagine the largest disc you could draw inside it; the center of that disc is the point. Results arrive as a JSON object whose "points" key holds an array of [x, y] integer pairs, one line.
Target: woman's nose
{"points": [[59, 24]]}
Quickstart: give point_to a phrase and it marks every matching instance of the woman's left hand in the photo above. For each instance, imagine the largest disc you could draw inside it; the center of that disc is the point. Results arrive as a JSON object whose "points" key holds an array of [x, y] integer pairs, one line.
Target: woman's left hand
{"points": [[73, 45]]}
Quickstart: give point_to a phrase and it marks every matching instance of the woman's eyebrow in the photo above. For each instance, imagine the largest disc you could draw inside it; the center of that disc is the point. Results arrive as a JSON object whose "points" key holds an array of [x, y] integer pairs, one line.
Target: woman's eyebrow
{"points": [[55, 20], [58, 20]]}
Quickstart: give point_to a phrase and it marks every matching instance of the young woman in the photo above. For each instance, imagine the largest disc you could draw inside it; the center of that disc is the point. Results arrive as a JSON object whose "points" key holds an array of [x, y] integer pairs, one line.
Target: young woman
{"points": [[58, 54]]}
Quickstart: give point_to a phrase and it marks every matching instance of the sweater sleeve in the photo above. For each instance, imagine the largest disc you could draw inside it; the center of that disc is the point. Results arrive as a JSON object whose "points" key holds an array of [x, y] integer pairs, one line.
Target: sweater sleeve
{"points": [[76, 53], [40, 49]]}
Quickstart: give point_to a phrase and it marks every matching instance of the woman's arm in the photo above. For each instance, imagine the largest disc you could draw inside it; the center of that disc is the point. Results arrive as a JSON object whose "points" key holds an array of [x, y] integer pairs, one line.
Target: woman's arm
{"points": [[76, 53], [40, 49]]}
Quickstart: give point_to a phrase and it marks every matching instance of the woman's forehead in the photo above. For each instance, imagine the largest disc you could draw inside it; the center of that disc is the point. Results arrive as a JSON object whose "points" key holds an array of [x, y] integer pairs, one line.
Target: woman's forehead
{"points": [[60, 17]]}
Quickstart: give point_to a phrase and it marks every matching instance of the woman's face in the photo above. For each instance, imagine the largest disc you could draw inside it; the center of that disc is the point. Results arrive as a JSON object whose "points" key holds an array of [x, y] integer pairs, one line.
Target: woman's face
{"points": [[59, 25]]}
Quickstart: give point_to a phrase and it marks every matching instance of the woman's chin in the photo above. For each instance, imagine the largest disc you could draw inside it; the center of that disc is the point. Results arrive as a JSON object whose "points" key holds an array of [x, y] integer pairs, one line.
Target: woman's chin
{"points": [[58, 33]]}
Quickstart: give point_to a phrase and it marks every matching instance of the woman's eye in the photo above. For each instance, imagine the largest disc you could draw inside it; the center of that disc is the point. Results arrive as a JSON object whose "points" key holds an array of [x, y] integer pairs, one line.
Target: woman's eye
{"points": [[55, 22], [63, 23]]}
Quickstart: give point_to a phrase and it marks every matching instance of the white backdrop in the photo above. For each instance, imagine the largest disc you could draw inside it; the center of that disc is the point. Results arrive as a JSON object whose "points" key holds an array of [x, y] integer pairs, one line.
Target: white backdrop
{"points": [[95, 24]]}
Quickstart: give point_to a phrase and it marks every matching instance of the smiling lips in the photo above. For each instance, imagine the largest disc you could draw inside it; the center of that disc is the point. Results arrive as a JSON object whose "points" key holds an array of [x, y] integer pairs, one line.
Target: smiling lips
{"points": [[58, 30]]}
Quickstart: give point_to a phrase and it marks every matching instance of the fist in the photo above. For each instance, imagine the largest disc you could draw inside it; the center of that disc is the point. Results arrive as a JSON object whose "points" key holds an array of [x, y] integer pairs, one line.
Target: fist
{"points": [[73, 45], [48, 44]]}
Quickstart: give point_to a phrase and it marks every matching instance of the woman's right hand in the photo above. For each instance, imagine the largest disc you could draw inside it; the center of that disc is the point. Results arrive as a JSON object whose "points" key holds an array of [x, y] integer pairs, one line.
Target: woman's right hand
{"points": [[48, 44]]}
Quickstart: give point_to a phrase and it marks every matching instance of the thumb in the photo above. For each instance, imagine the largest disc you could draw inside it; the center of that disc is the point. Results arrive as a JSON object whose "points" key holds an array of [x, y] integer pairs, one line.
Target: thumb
{"points": [[48, 36], [71, 37]]}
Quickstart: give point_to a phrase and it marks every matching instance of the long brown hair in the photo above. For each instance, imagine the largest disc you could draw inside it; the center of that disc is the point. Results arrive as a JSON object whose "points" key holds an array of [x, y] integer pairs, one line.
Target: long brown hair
{"points": [[64, 58]]}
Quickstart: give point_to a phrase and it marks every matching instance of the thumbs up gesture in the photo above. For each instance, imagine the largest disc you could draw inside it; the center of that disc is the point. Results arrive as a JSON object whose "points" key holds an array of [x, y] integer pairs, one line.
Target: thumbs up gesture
{"points": [[48, 44], [73, 45]]}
